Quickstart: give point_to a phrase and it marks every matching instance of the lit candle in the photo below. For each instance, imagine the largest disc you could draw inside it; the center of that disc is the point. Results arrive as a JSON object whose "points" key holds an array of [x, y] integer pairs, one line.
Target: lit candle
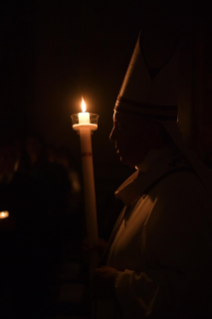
{"points": [[4, 214], [84, 126], [83, 120], [84, 117]]}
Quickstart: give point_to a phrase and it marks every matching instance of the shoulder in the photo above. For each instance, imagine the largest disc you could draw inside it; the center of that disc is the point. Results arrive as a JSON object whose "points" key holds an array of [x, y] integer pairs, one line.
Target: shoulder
{"points": [[179, 185], [180, 202], [179, 223]]}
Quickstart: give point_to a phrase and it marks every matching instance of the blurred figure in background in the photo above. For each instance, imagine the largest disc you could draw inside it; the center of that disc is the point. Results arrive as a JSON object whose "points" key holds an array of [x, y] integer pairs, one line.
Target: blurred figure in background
{"points": [[74, 208], [35, 192], [50, 194], [65, 158], [7, 226], [41, 188]]}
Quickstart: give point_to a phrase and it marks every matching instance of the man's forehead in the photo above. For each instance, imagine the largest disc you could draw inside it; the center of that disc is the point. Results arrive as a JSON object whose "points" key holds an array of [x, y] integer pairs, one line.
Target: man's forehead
{"points": [[125, 118], [131, 118]]}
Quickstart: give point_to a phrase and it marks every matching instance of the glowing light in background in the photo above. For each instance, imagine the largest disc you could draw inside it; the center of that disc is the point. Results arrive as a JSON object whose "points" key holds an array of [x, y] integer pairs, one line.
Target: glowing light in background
{"points": [[4, 214]]}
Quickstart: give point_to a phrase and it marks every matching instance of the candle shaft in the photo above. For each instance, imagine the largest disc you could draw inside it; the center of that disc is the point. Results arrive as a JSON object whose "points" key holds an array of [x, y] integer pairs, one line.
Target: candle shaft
{"points": [[89, 185]]}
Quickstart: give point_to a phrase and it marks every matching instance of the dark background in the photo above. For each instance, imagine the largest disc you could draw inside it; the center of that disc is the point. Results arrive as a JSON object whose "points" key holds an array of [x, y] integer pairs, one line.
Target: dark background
{"points": [[54, 52]]}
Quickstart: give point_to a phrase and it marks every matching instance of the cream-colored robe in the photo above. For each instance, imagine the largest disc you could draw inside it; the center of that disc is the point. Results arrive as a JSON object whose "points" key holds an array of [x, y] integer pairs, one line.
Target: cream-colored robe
{"points": [[161, 244]]}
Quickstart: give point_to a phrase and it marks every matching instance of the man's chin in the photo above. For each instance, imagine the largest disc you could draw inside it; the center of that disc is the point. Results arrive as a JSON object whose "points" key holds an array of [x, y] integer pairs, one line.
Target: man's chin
{"points": [[124, 161]]}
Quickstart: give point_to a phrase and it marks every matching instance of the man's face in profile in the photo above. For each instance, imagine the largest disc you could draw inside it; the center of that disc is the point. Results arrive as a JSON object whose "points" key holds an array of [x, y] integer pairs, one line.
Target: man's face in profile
{"points": [[134, 137]]}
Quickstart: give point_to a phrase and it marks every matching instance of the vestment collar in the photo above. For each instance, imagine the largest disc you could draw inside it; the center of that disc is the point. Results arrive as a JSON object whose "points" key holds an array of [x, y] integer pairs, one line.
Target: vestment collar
{"points": [[156, 164]]}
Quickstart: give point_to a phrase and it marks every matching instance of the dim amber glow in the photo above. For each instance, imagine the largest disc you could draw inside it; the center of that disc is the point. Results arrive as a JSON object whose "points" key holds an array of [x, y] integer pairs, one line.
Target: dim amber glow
{"points": [[83, 105], [4, 214]]}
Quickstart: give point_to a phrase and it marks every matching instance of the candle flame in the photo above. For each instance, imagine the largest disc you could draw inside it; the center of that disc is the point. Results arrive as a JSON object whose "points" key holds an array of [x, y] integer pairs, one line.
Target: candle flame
{"points": [[83, 105]]}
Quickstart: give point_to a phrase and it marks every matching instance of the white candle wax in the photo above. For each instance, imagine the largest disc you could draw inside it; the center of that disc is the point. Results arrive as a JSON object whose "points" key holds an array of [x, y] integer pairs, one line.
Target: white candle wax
{"points": [[90, 196], [84, 118], [85, 127]]}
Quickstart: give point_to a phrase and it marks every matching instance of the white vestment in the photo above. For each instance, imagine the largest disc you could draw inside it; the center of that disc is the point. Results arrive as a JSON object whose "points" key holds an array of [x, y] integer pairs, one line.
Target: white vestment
{"points": [[161, 244]]}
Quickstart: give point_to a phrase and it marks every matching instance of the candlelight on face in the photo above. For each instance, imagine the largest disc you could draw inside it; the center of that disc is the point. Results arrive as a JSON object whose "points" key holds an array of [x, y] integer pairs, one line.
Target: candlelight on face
{"points": [[4, 214]]}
